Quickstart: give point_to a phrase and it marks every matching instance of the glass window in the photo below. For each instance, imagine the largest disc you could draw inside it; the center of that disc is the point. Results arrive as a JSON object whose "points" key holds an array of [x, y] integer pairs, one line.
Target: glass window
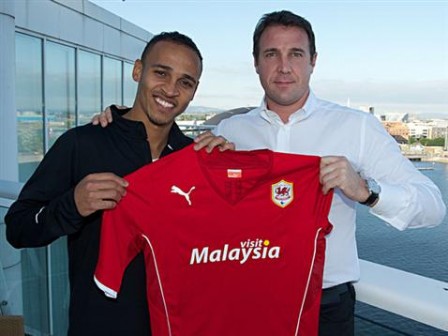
{"points": [[89, 86], [59, 282], [29, 104], [129, 85], [43, 295], [112, 82], [60, 90], [35, 289]]}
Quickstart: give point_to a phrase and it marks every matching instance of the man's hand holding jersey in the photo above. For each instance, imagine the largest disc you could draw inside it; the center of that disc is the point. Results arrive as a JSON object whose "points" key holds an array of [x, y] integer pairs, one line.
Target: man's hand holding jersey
{"points": [[99, 191]]}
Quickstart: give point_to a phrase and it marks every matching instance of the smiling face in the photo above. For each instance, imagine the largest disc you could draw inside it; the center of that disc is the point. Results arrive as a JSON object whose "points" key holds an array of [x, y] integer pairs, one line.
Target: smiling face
{"points": [[167, 81], [284, 66]]}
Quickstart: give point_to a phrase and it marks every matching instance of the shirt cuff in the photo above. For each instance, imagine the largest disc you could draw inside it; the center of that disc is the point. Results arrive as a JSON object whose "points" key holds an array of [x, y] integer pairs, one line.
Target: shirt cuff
{"points": [[393, 205]]}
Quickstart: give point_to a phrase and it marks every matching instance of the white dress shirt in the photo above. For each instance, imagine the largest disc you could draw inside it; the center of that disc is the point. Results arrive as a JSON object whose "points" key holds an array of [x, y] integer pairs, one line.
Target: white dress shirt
{"points": [[407, 198]]}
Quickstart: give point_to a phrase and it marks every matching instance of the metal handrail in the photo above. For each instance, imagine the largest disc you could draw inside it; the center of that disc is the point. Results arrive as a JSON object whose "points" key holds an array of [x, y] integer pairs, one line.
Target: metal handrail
{"points": [[9, 191], [407, 294]]}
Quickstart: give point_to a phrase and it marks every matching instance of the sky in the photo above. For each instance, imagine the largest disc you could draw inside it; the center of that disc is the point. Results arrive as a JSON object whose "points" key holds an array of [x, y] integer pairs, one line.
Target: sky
{"points": [[392, 55]]}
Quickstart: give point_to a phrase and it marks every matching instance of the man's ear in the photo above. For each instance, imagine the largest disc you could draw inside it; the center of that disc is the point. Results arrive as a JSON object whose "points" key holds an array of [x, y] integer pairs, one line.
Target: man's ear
{"points": [[137, 70], [312, 63], [313, 60]]}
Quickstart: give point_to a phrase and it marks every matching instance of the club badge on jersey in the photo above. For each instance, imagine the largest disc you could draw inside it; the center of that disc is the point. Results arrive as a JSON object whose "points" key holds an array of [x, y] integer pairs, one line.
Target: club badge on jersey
{"points": [[282, 193]]}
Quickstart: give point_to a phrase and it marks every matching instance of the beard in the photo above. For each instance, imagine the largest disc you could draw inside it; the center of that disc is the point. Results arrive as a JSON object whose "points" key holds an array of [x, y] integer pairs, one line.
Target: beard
{"points": [[157, 122], [163, 120]]}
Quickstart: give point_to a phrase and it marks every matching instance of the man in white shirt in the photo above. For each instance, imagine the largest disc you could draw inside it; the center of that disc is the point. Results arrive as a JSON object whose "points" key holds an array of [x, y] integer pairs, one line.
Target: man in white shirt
{"points": [[359, 159]]}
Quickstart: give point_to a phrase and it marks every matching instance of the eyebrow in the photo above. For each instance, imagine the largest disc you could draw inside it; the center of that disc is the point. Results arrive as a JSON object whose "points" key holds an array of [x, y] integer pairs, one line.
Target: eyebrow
{"points": [[298, 49], [269, 50], [168, 68], [276, 49]]}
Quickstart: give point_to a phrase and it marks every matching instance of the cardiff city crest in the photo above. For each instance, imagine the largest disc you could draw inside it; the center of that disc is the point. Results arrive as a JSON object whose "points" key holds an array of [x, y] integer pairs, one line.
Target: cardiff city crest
{"points": [[282, 193]]}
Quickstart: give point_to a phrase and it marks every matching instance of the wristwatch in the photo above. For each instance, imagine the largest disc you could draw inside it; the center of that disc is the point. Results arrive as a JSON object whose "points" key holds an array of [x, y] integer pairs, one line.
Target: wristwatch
{"points": [[374, 190]]}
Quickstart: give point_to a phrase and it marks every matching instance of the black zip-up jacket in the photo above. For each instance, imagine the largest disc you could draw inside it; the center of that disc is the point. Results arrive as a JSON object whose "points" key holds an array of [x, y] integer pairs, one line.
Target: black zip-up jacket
{"points": [[45, 211]]}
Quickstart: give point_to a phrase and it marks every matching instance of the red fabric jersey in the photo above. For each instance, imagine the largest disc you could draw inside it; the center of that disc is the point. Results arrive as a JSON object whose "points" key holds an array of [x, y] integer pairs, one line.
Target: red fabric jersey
{"points": [[234, 242]]}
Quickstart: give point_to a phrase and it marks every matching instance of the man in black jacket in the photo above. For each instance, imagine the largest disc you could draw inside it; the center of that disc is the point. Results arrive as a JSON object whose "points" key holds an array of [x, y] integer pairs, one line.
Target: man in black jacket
{"points": [[82, 173]]}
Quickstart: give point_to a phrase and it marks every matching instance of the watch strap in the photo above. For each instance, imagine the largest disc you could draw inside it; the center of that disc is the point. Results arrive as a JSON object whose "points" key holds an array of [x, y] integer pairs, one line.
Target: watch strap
{"points": [[371, 199], [374, 190]]}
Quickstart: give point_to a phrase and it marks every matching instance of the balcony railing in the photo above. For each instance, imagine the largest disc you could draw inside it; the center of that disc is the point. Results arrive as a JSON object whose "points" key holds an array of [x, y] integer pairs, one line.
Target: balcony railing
{"points": [[412, 296]]}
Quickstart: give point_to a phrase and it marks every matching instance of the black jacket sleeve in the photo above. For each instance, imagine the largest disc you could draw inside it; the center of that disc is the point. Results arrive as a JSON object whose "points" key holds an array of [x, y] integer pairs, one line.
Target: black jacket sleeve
{"points": [[45, 209]]}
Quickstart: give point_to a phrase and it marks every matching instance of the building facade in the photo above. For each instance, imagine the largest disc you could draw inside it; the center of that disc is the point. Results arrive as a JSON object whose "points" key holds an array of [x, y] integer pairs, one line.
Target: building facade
{"points": [[61, 61], [430, 129], [396, 128]]}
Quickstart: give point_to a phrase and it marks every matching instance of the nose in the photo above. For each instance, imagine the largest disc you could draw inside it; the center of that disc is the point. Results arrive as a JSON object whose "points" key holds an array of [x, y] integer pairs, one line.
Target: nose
{"points": [[170, 88], [284, 66]]}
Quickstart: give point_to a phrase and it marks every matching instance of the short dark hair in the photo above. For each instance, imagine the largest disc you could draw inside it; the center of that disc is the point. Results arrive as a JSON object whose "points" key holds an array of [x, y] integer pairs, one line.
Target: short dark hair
{"points": [[174, 37], [282, 18]]}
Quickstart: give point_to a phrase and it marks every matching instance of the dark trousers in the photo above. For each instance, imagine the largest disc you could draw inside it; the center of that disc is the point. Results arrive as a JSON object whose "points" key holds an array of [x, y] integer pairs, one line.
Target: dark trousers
{"points": [[337, 311]]}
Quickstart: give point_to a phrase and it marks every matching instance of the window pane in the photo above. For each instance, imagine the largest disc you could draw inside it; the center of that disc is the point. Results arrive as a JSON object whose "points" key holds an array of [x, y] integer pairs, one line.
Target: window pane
{"points": [[129, 85], [89, 86], [60, 291], [111, 82], [60, 90], [29, 104], [35, 289]]}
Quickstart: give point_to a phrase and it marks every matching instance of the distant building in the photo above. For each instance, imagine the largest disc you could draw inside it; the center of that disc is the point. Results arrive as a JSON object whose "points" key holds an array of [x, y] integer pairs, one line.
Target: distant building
{"points": [[438, 132], [430, 129], [396, 128], [400, 140], [418, 129], [403, 117]]}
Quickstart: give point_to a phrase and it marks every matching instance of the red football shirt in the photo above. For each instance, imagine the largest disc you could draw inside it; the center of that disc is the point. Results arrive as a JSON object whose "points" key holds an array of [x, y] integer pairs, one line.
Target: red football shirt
{"points": [[233, 241]]}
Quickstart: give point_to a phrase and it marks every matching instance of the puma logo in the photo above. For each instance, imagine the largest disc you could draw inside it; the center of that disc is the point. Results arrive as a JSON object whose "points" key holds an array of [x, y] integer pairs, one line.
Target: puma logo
{"points": [[177, 190]]}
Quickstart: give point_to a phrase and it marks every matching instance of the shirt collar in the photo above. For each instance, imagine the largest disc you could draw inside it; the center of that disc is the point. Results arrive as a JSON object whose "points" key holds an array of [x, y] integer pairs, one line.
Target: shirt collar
{"points": [[136, 129], [299, 115], [177, 139]]}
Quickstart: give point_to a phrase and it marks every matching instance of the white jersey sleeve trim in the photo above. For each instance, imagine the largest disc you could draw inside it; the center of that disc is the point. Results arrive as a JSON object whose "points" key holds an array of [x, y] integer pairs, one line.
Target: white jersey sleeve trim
{"points": [[36, 217], [107, 291]]}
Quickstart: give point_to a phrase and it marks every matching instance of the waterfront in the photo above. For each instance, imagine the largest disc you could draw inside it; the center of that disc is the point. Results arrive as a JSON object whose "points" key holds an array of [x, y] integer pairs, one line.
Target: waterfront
{"points": [[421, 251]]}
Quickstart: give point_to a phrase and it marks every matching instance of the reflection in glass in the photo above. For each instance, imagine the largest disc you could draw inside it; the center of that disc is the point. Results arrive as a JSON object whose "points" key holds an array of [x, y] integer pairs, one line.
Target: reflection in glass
{"points": [[60, 109], [59, 281], [60, 90], [112, 82], [89, 86], [129, 85], [29, 104]]}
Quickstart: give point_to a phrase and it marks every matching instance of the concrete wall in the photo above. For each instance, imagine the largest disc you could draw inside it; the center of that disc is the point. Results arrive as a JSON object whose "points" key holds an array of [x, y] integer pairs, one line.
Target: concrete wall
{"points": [[82, 23], [8, 124]]}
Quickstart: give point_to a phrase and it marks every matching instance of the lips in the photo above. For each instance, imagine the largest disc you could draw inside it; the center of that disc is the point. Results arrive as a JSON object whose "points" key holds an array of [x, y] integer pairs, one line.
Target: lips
{"points": [[283, 81]]}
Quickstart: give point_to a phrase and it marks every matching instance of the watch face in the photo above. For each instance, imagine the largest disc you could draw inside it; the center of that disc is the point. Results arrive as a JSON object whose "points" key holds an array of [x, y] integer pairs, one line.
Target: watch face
{"points": [[373, 186]]}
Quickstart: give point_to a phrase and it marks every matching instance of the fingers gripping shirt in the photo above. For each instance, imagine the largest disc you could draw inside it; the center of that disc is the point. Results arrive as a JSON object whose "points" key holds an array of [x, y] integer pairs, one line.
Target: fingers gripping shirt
{"points": [[234, 242]]}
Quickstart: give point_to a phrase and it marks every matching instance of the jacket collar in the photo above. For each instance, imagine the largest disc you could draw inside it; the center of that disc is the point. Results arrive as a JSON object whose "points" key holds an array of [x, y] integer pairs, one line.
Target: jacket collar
{"points": [[136, 130]]}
